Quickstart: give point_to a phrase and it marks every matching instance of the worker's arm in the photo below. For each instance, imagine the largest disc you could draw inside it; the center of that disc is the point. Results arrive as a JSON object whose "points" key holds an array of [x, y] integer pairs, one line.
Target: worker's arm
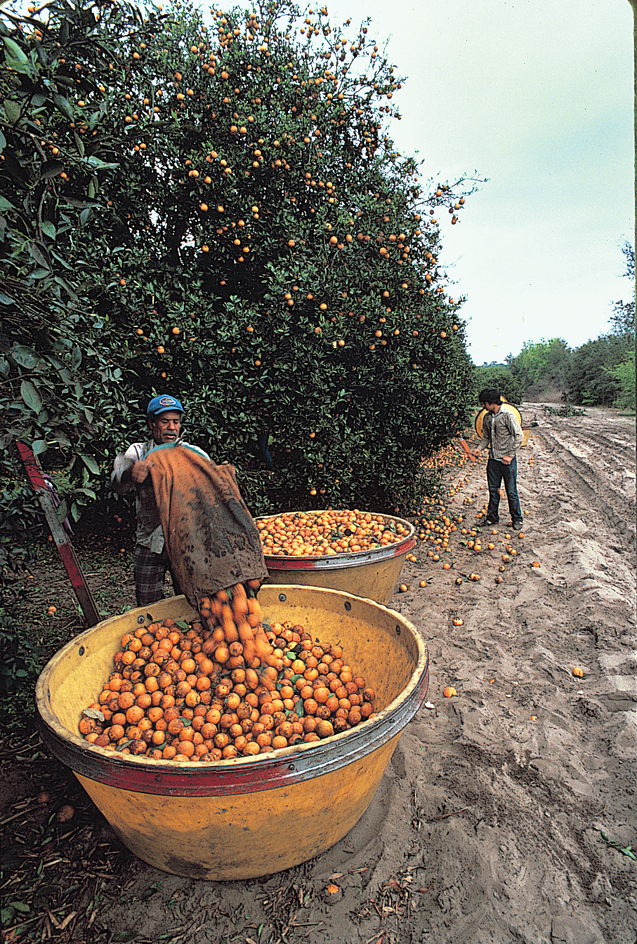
{"points": [[484, 442], [128, 470], [517, 438]]}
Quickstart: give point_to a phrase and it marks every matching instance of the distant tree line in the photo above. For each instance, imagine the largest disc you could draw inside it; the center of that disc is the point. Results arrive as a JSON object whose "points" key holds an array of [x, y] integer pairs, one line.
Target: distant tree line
{"points": [[599, 373]]}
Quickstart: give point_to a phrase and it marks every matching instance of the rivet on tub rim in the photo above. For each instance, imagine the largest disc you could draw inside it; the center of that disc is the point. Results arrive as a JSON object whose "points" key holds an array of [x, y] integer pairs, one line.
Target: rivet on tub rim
{"points": [[141, 619], [398, 630], [348, 605], [81, 651], [282, 597]]}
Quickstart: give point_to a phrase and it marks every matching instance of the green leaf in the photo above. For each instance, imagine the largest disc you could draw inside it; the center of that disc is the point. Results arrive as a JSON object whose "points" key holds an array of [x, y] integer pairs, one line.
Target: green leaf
{"points": [[90, 464], [30, 395], [14, 50], [93, 713], [40, 255], [12, 110], [79, 144], [88, 492], [51, 169], [68, 288], [20, 906], [64, 106], [80, 202], [39, 446], [100, 165], [16, 59], [25, 357], [625, 850], [62, 261], [48, 228]]}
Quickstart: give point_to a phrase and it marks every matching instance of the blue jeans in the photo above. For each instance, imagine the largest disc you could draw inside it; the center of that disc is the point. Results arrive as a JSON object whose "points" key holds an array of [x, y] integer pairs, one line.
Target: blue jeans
{"points": [[496, 472]]}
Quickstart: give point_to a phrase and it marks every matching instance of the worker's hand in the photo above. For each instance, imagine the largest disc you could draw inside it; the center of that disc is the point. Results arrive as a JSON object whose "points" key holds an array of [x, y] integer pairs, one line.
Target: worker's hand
{"points": [[476, 453], [141, 470], [506, 460]]}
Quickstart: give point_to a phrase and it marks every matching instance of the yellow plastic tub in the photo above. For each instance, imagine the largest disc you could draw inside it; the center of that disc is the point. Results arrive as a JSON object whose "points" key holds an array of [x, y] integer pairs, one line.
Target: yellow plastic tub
{"points": [[508, 407], [249, 816], [372, 574]]}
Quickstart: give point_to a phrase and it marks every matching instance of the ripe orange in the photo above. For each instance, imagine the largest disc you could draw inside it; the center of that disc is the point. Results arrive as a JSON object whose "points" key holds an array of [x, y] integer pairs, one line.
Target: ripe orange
{"points": [[245, 709]]}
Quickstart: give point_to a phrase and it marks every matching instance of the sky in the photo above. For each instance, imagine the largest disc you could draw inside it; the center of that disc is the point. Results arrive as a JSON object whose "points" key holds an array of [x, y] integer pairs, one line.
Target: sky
{"points": [[537, 96]]}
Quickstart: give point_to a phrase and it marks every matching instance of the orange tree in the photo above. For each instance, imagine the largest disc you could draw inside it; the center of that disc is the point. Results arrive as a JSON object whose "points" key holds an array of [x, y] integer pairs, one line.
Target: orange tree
{"points": [[217, 209], [283, 272], [61, 388]]}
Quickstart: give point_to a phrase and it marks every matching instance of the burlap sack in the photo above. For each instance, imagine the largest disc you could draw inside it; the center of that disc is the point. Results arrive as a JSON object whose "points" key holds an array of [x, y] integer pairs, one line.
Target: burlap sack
{"points": [[211, 538]]}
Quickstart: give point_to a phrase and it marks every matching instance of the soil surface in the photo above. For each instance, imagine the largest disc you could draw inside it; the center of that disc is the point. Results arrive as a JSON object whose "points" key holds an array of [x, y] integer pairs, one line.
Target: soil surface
{"points": [[508, 812]]}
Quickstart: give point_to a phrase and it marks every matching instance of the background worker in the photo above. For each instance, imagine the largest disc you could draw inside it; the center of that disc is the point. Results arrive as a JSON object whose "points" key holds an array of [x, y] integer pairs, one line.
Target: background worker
{"points": [[503, 436], [131, 471]]}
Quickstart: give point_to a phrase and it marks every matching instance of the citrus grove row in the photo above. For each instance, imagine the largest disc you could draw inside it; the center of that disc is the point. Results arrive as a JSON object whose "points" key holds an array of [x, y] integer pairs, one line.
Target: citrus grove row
{"points": [[212, 205]]}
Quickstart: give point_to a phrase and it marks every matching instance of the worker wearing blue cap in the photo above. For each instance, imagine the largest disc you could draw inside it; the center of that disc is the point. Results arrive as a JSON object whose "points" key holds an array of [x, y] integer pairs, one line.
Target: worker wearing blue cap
{"points": [[131, 471]]}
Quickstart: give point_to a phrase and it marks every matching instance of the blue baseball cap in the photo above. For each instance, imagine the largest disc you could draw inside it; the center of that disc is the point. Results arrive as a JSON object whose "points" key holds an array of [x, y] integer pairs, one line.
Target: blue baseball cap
{"points": [[162, 404]]}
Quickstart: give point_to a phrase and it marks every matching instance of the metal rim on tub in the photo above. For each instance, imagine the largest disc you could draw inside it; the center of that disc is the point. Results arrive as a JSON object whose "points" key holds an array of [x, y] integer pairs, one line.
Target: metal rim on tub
{"points": [[241, 775], [348, 559]]}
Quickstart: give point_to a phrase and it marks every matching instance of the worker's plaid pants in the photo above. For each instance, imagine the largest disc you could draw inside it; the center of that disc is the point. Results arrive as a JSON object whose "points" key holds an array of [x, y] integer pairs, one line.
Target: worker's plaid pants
{"points": [[149, 570]]}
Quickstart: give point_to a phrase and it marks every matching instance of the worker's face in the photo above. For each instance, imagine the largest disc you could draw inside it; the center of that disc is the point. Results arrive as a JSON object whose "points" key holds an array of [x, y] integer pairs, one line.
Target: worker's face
{"points": [[491, 407], [165, 428]]}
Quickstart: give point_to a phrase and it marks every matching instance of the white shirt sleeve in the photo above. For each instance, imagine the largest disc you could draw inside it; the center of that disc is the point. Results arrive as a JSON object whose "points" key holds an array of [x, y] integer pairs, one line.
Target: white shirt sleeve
{"points": [[123, 462]]}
